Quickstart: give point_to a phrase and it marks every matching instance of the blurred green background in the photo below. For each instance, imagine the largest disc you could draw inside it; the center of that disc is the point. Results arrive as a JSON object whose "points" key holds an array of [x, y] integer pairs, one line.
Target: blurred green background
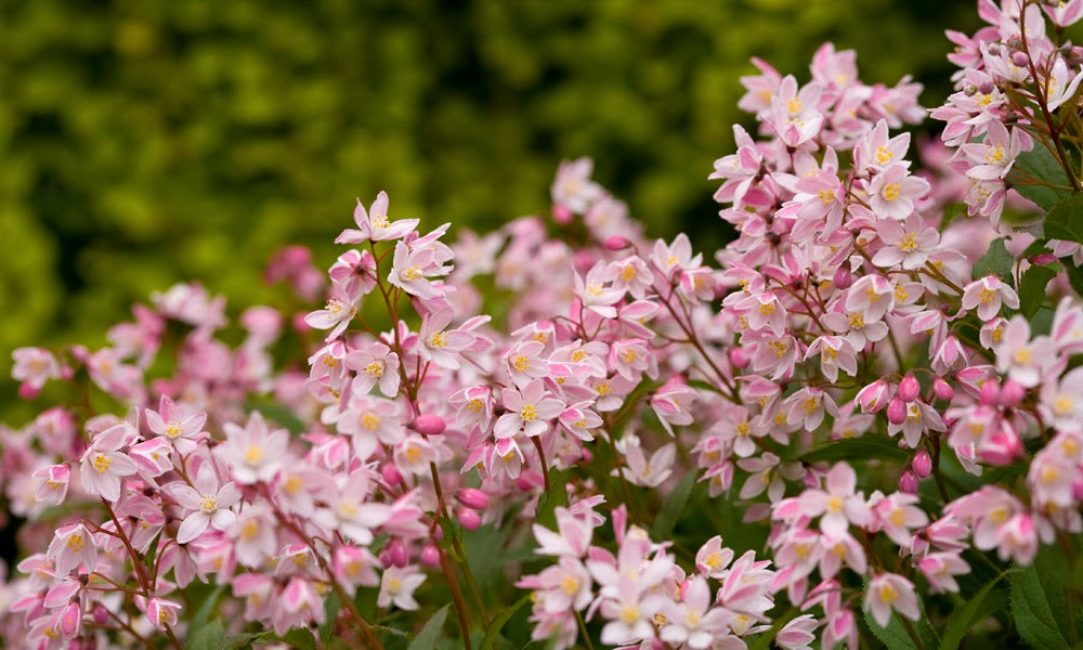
{"points": [[147, 142]]}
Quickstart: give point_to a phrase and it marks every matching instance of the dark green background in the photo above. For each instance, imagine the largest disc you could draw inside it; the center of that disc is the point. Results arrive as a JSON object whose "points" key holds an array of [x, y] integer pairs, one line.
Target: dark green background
{"points": [[146, 142]]}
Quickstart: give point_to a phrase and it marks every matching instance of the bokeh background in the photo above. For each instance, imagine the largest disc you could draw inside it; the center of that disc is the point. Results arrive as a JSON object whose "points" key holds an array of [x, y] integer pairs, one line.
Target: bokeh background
{"points": [[145, 142]]}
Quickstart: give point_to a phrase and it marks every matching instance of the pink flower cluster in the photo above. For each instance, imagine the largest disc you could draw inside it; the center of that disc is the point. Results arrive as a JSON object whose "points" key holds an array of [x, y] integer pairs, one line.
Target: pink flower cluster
{"points": [[852, 375]]}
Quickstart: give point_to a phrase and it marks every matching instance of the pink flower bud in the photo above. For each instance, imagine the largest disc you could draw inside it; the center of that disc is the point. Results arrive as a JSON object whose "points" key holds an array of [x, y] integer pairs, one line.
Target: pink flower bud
{"points": [[908, 483], [1041, 259], [385, 558], [989, 394], [843, 278], [616, 243], [66, 373], [943, 389], [896, 411], [561, 214], [470, 519], [391, 474], [873, 397], [909, 388], [429, 424], [1012, 393], [71, 620], [1019, 59], [922, 464], [473, 498], [299, 324], [28, 390], [430, 556], [400, 555], [1077, 490], [738, 358], [100, 614]]}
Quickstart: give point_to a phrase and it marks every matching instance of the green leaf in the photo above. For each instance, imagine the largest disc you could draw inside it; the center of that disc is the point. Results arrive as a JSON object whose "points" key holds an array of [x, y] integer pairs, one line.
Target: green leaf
{"points": [[244, 640], [549, 501], [498, 623], [209, 636], [426, 638], [996, 261], [673, 506], [300, 638], [1065, 220], [1032, 174], [1033, 611], [277, 413], [853, 449], [970, 613], [203, 614], [1075, 274], [1032, 289], [330, 606]]}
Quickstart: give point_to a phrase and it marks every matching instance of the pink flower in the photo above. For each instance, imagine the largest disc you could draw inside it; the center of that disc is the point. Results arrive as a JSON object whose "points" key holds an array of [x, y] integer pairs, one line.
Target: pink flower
{"points": [[993, 157], [440, 345], [940, 570], [573, 188], [340, 309], [375, 364], [893, 192], [839, 504], [51, 484], [208, 504], [671, 403], [103, 466], [34, 366], [597, 291], [896, 515], [179, 427], [415, 264], [888, 592], [907, 243], [798, 634], [162, 613], [692, 621], [529, 411], [987, 294], [1024, 360], [373, 224], [397, 587], [252, 453], [72, 547]]}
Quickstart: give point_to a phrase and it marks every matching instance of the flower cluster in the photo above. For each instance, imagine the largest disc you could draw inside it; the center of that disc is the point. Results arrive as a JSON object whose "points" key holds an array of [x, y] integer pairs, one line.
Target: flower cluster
{"points": [[877, 405]]}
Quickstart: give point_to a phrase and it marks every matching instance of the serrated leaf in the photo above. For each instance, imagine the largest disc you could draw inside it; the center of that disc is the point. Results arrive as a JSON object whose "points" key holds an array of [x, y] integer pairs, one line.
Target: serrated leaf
{"points": [[1065, 220], [1033, 174], [498, 623], [970, 613], [673, 506], [996, 261], [209, 636], [1032, 289], [863, 448], [427, 637], [1033, 612]]}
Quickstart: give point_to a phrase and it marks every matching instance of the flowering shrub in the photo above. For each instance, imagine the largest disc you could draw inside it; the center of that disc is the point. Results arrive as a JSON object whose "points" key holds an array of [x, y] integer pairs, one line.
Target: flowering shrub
{"points": [[864, 425]]}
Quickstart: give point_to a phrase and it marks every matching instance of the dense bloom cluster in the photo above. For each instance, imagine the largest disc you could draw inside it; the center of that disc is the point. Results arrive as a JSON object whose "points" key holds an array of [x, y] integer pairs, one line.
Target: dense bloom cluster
{"points": [[304, 462]]}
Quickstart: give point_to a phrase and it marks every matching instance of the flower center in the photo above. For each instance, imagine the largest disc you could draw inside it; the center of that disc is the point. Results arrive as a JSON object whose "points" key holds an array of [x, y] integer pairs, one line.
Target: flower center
{"points": [[102, 463], [891, 192]]}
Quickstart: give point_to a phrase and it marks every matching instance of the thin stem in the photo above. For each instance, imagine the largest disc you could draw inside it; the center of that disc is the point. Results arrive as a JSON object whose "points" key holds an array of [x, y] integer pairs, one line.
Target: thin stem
{"points": [[541, 457], [583, 630]]}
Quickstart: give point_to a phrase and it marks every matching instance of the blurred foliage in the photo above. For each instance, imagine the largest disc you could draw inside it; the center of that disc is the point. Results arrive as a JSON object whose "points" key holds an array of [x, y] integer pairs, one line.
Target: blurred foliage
{"points": [[148, 142]]}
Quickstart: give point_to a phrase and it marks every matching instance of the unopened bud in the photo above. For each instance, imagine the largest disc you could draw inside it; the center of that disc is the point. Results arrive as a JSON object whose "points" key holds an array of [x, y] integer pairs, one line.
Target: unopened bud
{"points": [[1019, 59], [922, 464], [896, 411], [1012, 393], [391, 474], [989, 394], [561, 214], [943, 389], [473, 498], [429, 424], [843, 278], [470, 519], [430, 556], [908, 483], [616, 243], [738, 358], [400, 556], [909, 388]]}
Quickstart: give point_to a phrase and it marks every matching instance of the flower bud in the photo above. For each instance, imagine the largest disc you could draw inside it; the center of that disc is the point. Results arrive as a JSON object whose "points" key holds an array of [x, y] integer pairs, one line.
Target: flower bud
{"points": [[1012, 393], [28, 391], [943, 389], [843, 278], [896, 411], [385, 558], [986, 87], [299, 324], [71, 620], [616, 243], [1019, 59], [400, 555], [908, 483], [473, 498], [922, 464], [429, 424], [989, 394], [909, 388], [100, 614], [1041, 259], [470, 519], [561, 214], [1001, 448], [873, 397], [430, 556], [738, 358], [391, 474]]}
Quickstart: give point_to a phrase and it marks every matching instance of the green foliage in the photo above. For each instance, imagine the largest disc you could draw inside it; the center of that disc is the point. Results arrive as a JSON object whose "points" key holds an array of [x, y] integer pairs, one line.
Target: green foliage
{"points": [[1065, 220], [1039, 176], [430, 633], [983, 603], [1032, 288], [149, 142], [996, 261]]}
